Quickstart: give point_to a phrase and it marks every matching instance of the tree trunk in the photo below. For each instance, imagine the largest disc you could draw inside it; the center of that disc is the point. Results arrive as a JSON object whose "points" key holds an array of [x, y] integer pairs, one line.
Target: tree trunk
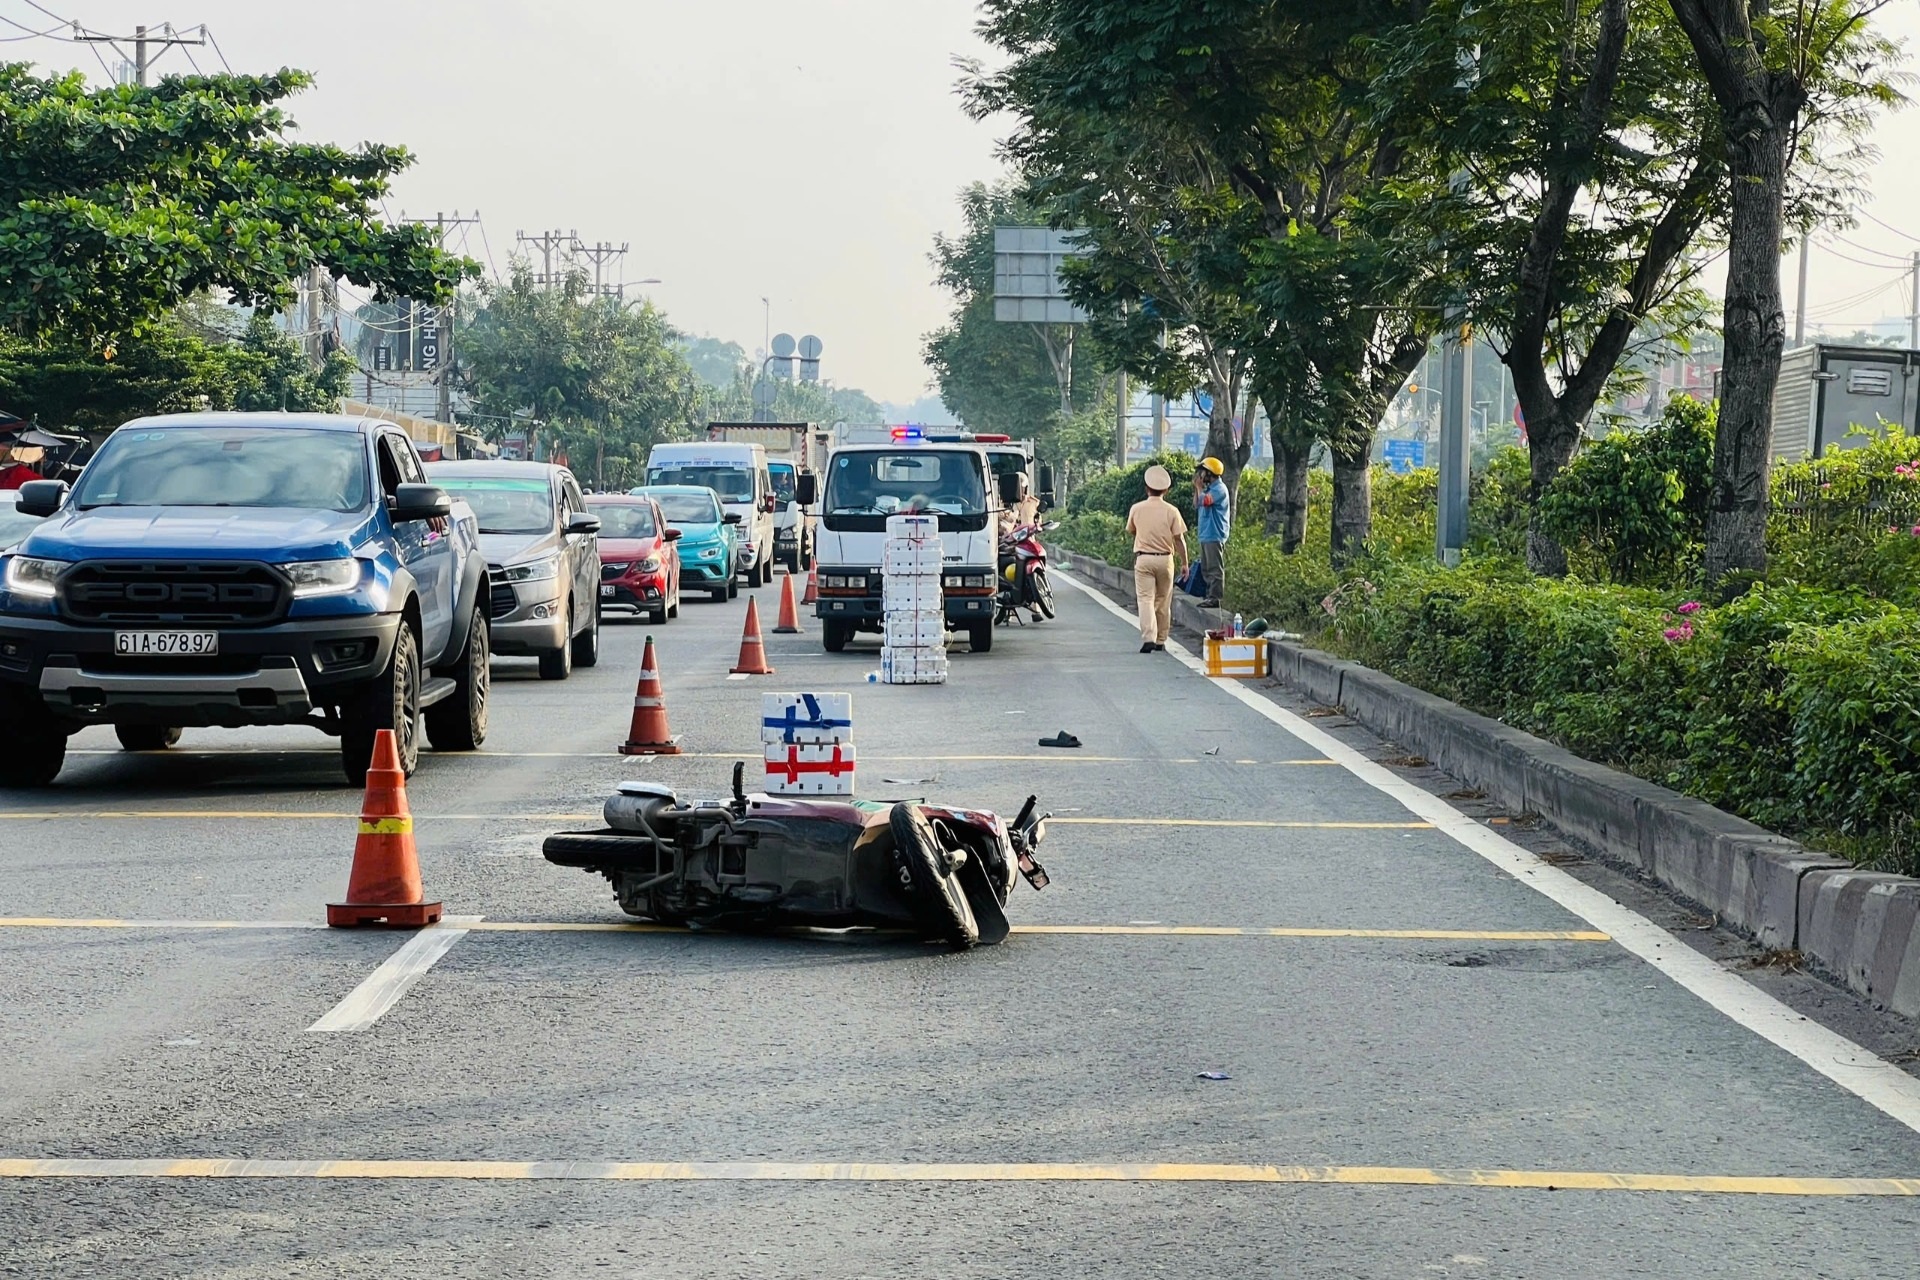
{"points": [[1755, 328], [1550, 445], [1233, 457], [1352, 496], [1287, 502]]}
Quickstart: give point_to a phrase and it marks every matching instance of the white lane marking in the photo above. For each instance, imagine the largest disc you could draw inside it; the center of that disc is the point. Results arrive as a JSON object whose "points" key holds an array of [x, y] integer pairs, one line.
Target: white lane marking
{"points": [[383, 987], [1847, 1064]]}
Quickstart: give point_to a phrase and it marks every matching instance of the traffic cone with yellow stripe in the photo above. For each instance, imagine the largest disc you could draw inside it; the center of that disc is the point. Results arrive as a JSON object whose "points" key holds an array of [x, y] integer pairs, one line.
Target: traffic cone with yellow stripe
{"points": [[384, 886], [648, 734]]}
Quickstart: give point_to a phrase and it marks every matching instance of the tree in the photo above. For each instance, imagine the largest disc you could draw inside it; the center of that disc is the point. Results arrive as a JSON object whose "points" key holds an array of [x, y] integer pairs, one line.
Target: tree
{"points": [[118, 203], [714, 362], [604, 377], [1256, 103], [1792, 88], [171, 368], [1566, 161]]}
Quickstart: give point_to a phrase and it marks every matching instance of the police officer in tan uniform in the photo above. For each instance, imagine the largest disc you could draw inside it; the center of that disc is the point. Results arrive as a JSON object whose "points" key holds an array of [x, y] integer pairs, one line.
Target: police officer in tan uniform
{"points": [[1159, 534]]}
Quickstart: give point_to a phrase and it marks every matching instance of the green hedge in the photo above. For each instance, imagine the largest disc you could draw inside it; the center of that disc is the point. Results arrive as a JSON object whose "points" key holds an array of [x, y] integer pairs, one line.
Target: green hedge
{"points": [[1797, 705]]}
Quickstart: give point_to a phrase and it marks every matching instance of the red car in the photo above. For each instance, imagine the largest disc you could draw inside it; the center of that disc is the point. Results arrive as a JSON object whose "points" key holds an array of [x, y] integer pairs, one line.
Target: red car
{"points": [[639, 565]]}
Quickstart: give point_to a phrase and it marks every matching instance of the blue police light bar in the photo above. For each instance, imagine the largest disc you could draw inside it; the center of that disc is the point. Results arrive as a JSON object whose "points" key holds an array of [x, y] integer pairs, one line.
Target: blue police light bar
{"points": [[908, 435]]}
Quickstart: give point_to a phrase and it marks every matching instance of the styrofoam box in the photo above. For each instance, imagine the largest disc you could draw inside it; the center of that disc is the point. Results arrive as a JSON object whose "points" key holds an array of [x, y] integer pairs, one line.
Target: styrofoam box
{"points": [[915, 631], [914, 528], [806, 717], [900, 558], [912, 595], [898, 666], [810, 769]]}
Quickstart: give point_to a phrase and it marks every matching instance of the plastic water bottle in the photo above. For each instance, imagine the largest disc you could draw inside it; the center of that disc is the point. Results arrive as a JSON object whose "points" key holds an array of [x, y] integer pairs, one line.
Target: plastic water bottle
{"points": [[1238, 629]]}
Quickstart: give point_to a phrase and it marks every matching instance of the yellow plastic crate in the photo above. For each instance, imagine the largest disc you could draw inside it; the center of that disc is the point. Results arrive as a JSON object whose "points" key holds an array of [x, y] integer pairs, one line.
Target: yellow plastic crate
{"points": [[1239, 657]]}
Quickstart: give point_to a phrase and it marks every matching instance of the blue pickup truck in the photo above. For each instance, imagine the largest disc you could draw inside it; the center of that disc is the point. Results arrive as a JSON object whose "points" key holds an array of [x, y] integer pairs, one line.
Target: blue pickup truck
{"points": [[229, 569]]}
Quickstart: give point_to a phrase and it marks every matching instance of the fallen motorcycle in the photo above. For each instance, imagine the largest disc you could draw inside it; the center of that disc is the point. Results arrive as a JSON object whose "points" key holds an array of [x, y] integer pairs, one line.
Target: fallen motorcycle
{"points": [[756, 862]]}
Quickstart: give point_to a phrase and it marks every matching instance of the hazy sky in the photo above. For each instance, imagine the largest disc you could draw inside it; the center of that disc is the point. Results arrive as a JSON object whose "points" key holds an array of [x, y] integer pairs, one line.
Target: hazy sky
{"points": [[804, 152]]}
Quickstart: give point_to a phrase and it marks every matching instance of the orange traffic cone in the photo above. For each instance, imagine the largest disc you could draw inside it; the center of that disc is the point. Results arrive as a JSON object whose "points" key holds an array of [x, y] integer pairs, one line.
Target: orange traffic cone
{"points": [[812, 593], [753, 650], [648, 734], [789, 623], [384, 887]]}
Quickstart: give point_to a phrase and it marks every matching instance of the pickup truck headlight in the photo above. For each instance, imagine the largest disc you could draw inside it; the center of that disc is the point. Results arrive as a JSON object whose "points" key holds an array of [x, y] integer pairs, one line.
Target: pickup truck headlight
{"points": [[33, 578], [533, 571], [322, 577]]}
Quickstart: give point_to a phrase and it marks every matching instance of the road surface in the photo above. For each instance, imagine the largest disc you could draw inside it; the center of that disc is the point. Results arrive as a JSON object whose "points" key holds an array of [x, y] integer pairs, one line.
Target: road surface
{"points": [[1445, 1056]]}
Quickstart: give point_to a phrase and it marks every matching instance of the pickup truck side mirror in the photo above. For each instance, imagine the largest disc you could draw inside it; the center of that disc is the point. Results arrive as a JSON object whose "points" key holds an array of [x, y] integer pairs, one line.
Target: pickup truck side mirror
{"points": [[41, 497], [419, 502], [806, 490], [671, 535], [733, 517], [583, 522], [1010, 488]]}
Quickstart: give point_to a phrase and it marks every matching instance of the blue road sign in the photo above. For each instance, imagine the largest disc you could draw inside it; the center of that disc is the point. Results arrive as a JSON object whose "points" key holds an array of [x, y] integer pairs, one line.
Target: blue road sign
{"points": [[1404, 455]]}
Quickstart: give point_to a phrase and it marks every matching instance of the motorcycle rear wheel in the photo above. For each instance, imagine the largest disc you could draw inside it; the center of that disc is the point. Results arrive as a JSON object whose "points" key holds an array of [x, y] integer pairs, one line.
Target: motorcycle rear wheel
{"points": [[934, 894]]}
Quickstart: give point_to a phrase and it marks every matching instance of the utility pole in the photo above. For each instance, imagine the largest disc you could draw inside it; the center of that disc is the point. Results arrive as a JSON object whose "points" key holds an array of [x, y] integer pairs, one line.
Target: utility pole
{"points": [[443, 226], [1456, 389], [165, 38], [600, 254], [1913, 320], [548, 241], [1800, 308]]}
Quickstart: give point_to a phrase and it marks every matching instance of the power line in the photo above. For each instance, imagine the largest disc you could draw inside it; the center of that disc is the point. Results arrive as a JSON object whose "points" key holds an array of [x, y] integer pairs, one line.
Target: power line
{"points": [[31, 33], [1879, 253], [1876, 266], [489, 248], [1905, 235], [51, 14], [216, 48]]}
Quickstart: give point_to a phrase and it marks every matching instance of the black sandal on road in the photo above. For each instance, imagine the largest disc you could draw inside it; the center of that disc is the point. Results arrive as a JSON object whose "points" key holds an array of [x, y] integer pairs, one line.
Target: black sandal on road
{"points": [[1060, 739]]}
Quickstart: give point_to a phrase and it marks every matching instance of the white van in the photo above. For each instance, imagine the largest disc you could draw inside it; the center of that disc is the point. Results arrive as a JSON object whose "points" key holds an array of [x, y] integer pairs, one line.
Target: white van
{"points": [[738, 474]]}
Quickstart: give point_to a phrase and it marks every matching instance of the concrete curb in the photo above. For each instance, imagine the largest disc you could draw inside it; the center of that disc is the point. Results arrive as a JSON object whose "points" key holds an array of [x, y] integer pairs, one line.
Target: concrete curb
{"points": [[1862, 927]]}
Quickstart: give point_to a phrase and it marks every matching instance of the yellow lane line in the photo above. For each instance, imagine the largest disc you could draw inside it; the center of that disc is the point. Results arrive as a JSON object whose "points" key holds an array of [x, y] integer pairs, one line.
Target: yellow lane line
{"points": [[306, 815], [858, 1172], [1057, 757], [1068, 930]]}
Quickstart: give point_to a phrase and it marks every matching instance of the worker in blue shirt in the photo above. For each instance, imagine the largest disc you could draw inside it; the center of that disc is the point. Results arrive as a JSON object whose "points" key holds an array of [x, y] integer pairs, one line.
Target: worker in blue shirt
{"points": [[1211, 504]]}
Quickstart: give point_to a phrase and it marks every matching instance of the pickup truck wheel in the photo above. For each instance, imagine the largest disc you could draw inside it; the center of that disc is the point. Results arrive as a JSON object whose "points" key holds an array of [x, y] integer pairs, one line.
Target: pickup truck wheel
{"points": [[390, 701], [146, 737], [36, 741], [733, 585], [458, 722], [980, 636], [834, 634], [586, 645], [766, 572]]}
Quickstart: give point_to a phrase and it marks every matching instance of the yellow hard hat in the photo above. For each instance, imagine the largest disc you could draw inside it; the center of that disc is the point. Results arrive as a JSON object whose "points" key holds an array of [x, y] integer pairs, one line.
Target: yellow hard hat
{"points": [[1214, 465]]}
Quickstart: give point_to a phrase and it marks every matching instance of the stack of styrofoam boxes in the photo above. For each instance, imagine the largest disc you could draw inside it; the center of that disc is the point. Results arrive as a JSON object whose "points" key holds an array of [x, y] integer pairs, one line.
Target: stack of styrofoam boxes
{"points": [[914, 611], [809, 742]]}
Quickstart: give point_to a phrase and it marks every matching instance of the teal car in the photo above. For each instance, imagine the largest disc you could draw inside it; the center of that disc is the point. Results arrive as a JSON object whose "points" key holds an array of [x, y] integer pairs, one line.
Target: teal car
{"points": [[709, 536]]}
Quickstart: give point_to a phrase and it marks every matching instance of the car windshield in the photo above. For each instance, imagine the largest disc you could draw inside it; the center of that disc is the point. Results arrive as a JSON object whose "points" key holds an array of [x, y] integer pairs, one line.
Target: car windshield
{"points": [[782, 474], [733, 484], [623, 519], [228, 467], [688, 508], [505, 504], [909, 480]]}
